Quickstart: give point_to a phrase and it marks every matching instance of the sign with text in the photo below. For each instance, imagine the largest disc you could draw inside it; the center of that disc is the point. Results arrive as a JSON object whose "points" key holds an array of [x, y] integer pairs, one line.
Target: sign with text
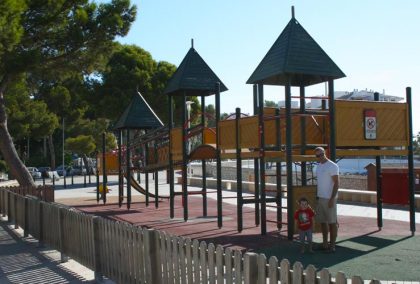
{"points": [[370, 124]]}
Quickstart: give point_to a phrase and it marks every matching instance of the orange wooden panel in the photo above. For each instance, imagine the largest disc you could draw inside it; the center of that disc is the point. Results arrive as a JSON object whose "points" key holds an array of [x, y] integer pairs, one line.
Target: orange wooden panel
{"points": [[391, 121], [248, 132], [209, 136], [176, 141], [227, 134], [111, 163]]}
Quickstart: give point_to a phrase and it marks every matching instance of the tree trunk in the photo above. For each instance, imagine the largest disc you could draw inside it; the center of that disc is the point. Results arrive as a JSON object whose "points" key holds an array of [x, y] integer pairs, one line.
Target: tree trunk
{"points": [[86, 163], [17, 168], [52, 151]]}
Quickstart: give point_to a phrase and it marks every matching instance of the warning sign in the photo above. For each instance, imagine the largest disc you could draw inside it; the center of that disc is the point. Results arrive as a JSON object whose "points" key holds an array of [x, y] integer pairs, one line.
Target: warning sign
{"points": [[370, 124]]}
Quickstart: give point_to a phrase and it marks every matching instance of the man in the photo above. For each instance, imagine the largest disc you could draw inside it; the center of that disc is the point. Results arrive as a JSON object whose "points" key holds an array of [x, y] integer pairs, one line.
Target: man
{"points": [[327, 175]]}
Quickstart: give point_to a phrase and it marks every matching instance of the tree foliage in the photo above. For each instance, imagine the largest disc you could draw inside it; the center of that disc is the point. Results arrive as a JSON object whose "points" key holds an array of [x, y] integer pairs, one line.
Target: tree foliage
{"points": [[46, 40], [131, 69]]}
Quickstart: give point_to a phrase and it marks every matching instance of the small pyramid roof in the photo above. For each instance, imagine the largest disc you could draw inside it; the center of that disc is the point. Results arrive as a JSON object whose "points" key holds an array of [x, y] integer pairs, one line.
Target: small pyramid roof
{"points": [[138, 115], [194, 77], [295, 55]]}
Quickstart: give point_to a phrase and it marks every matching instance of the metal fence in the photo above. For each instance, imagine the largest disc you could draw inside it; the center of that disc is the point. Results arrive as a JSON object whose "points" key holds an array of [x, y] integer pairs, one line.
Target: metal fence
{"points": [[129, 254]]}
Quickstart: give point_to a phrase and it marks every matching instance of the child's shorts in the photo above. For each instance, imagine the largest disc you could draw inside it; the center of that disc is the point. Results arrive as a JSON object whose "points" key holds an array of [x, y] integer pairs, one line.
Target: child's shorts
{"points": [[307, 234]]}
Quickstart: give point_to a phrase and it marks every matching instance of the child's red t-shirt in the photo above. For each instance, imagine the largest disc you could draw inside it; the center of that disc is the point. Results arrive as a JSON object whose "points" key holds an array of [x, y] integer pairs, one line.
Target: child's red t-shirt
{"points": [[304, 218]]}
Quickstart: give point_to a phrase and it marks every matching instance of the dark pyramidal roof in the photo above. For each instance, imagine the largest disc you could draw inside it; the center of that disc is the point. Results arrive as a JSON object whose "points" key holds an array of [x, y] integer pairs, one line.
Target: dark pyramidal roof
{"points": [[138, 115], [296, 54], [194, 77]]}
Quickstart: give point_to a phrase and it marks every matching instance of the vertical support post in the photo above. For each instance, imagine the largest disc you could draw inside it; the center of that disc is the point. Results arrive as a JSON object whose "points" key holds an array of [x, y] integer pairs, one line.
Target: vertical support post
{"points": [[15, 209], [26, 221], [9, 208], [184, 157], [120, 173], [97, 179], [331, 108], [128, 170], [238, 170], [256, 166], [411, 183], [378, 182], [171, 162], [156, 176], [279, 202], [303, 174], [289, 165], [104, 176], [97, 249], [146, 180], [62, 233], [250, 268], [153, 260], [40, 224], [203, 162], [262, 159], [218, 160]]}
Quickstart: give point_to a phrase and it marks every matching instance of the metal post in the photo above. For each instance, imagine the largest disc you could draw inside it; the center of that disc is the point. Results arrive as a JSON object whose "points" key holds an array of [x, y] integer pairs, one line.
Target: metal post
{"points": [[411, 183], [120, 173], [64, 168], [128, 170], [146, 180], [218, 160], [262, 159], [378, 182], [289, 165], [104, 177], [156, 178], [238, 170], [256, 166], [331, 108], [171, 162], [203, 162], [184, 158], [303, 174], [279, 202]]}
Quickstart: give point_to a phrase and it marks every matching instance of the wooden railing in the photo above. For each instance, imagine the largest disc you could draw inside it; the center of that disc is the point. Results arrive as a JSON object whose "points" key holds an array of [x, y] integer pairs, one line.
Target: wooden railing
{"points": [[130, 254]]}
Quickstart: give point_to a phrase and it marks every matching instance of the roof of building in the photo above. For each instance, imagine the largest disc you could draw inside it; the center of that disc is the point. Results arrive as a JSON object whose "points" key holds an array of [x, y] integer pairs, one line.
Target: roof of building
{"points": [[194, 77], [138, 115], [295, 55]]}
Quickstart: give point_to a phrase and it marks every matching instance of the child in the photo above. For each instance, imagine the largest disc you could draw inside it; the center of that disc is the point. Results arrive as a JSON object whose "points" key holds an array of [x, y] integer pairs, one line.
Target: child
{"points": [[304, 219]]}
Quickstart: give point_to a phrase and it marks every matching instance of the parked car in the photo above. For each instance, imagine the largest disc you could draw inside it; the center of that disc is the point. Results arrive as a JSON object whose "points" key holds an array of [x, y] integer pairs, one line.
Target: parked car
{"points": [[61, 170], [35, 173], [44, 171], [78, 171]]}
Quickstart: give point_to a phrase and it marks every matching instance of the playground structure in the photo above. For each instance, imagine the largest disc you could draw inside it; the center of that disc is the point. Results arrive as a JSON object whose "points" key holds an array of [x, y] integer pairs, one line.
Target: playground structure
{"points": [[283, 136]]}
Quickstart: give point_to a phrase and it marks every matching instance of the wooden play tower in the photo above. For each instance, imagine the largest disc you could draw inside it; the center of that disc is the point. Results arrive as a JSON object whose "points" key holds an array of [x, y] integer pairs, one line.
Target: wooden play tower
{"points": [[284, 136]]}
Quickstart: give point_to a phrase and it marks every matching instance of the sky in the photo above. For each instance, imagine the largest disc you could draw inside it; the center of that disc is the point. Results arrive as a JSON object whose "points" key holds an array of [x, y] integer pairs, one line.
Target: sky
{"points": [[375, 43]]}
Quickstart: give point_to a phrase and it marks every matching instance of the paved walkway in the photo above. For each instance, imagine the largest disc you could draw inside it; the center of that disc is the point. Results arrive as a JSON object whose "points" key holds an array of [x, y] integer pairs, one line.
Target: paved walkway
{"points": [[22, 261]]}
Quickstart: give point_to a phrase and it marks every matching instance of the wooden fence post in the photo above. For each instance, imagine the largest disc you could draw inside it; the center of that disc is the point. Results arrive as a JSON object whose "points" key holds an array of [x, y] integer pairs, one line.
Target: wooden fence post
{"points": [[96, 250], [9, 217], [153, 261], [26, 215], [250, 268], [62, 233], [40, 224], [15, 210]]}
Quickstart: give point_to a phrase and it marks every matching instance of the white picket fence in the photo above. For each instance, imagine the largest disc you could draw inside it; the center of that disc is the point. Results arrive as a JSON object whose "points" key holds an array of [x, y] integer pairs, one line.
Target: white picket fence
{"points": [[129, 254]]}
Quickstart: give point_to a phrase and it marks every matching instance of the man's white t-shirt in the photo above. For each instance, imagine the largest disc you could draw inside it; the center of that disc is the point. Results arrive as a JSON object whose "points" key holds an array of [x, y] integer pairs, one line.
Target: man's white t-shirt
{"points": [[324, 173]]}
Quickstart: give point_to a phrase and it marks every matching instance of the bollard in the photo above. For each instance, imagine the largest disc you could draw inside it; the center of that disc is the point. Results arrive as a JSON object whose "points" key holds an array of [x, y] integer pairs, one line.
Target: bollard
{"points": [[72, 179], [65, 184], [43, 180], [53, 181], [89, 179], [84, 180]]}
